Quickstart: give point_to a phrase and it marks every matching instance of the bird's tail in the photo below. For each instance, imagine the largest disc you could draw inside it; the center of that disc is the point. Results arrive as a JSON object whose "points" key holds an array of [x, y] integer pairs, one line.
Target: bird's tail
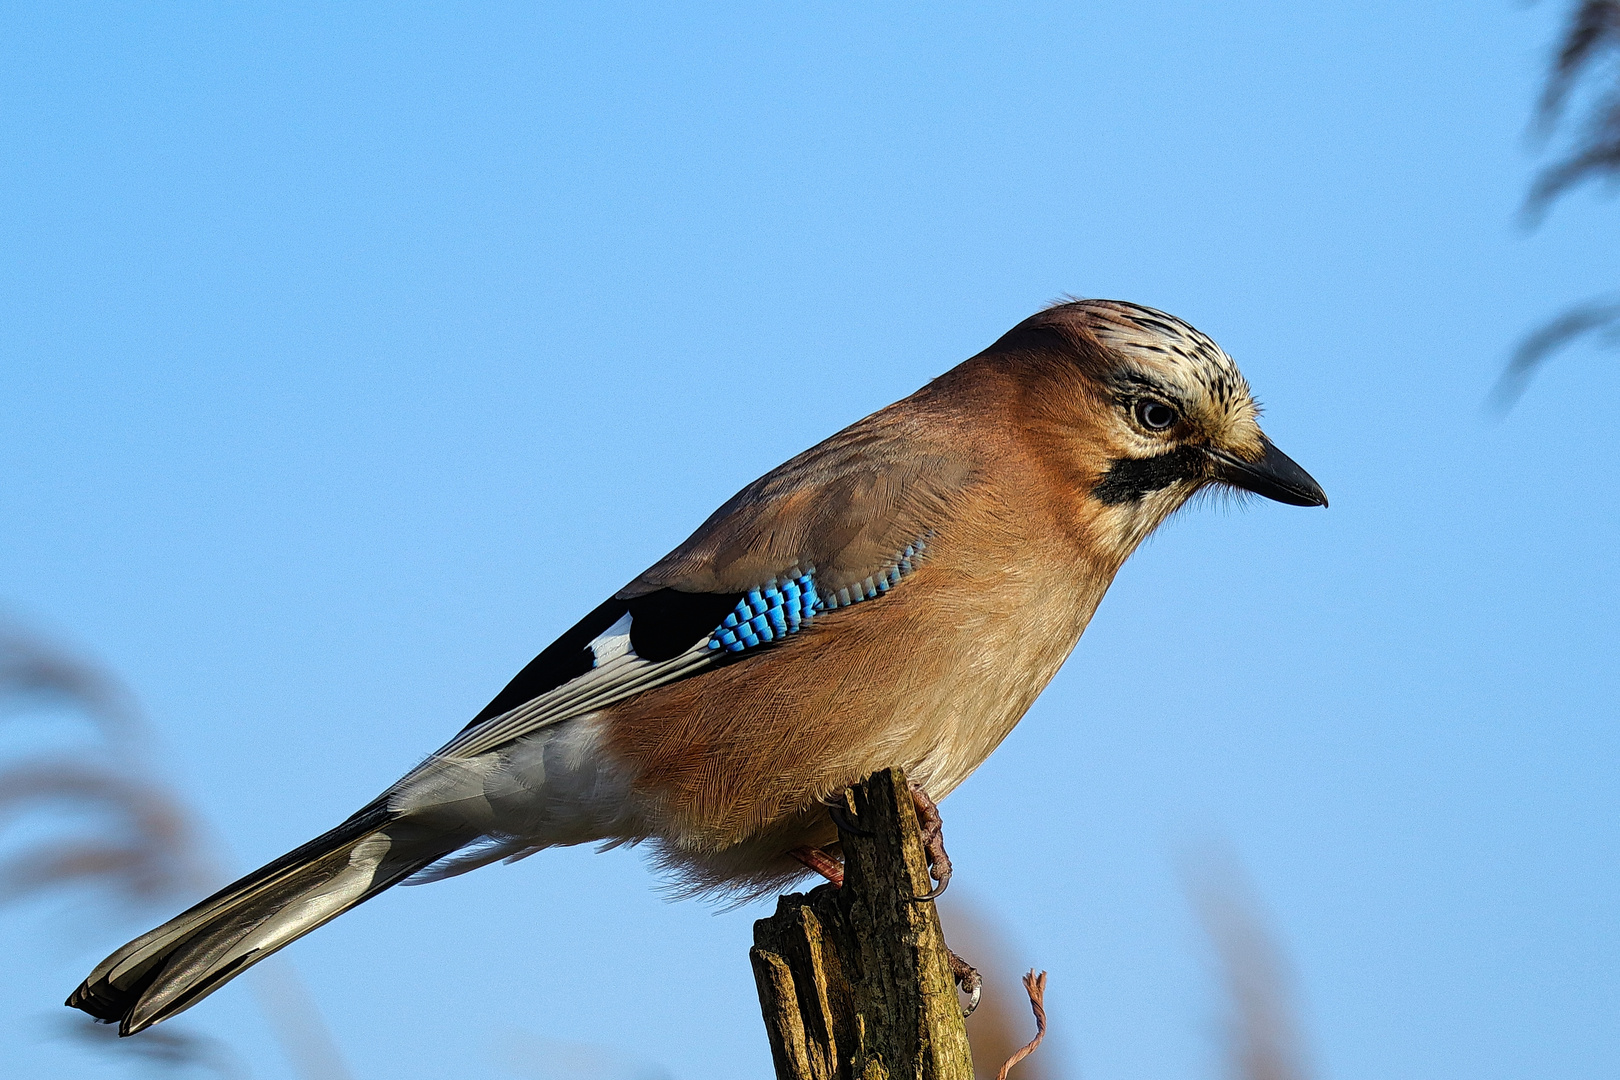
{"points": [[169, 969]]}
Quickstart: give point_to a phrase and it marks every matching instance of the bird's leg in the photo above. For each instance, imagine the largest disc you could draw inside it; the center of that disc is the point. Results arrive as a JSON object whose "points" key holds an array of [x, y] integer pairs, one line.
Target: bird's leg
{"points": [[933, 839], [939, 864], [822, 863]]}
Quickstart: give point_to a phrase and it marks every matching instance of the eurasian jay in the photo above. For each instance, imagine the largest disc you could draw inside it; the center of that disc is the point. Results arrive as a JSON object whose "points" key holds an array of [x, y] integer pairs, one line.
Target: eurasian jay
{"points": [[894, 596]]}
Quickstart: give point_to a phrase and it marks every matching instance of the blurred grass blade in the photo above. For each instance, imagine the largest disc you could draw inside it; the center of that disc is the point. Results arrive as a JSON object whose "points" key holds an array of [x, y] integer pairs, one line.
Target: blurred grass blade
{"points": [[146, 846], [1262, 1034], [1533, 351], [32, 670]]}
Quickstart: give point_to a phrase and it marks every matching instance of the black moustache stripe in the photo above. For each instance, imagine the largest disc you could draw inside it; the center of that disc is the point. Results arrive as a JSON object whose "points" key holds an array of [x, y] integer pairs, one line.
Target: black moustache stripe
{"points": [[1129, 479]]}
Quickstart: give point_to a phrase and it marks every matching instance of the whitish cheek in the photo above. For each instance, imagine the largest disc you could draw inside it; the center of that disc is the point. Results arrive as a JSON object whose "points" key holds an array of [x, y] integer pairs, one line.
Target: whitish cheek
{"points": [[1133, 522]]}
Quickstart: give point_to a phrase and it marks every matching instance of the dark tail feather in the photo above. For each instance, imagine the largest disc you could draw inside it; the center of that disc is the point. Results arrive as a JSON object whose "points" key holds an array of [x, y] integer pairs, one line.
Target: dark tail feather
{"points": [[195, 953]]}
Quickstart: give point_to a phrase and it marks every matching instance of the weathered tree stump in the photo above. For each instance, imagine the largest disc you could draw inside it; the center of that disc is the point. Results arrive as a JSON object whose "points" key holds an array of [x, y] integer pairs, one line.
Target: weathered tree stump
{"points": [[854, 982]]}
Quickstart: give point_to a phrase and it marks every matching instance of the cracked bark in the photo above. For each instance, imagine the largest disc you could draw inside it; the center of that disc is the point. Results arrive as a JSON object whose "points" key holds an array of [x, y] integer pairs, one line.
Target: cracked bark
{"points": [[855, 983]]}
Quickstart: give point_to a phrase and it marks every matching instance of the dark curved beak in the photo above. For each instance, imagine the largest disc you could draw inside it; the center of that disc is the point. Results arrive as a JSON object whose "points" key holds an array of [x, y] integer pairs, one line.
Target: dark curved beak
{"points": [[1275, 475]]}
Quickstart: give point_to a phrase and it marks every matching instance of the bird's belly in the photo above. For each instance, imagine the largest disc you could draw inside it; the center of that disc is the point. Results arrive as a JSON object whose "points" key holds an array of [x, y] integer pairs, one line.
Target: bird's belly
{"points": [[1002, 665], [553, 787], [928, 679], [727, 771], [974, 713]]}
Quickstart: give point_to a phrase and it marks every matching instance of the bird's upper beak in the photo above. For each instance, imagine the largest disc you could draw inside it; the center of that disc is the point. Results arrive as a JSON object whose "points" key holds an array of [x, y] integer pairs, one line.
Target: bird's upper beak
{"points": [[1275, 475]]}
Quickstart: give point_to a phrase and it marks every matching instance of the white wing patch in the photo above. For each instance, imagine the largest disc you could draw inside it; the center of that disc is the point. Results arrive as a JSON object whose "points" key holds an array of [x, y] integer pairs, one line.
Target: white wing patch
{"points": [[618, 673], [613, 642]]}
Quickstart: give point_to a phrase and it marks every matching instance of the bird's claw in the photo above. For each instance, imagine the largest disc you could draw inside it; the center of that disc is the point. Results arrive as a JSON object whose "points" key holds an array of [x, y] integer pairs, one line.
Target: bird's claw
{"points": [[933, 841], [932, 827], [838, 810], [967, 980]]}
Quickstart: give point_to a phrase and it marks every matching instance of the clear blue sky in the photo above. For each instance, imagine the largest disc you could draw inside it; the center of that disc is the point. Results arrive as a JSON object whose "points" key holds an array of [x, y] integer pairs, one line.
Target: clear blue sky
{"points": [[350, 353]]}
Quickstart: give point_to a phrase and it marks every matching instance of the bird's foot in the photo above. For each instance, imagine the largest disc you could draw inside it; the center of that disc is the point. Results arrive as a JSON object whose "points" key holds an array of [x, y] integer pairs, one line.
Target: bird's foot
{"points": [[967, 980], [822, 863], [933, 839], [932, 825]]}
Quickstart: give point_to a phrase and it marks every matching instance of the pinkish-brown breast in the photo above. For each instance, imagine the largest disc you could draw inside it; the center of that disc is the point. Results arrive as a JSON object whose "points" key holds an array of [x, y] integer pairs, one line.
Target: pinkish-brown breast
{"points": [[931, 676]]}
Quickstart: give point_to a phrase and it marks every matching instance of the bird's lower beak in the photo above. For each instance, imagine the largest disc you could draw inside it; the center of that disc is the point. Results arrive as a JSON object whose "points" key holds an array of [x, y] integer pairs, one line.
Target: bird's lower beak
{"points": [[1275, 475]]}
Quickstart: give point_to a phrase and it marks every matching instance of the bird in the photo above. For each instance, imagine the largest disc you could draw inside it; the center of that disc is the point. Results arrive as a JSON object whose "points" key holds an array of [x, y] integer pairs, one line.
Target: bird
{"points": [[895, 596]]}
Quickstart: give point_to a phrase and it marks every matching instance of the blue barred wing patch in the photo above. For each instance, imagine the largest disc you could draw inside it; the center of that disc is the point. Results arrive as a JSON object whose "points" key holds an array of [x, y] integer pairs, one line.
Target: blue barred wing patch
{"points": [[784, 605], [774, 610], [602, 660]]}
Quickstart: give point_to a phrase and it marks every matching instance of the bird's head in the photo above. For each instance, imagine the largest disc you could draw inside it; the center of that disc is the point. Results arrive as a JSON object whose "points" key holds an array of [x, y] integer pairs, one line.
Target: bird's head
{"points": [[1147, 412]]}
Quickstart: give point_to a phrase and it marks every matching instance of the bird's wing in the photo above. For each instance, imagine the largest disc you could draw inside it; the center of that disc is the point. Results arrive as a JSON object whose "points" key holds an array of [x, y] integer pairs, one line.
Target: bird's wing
{"points": [[847, 506], [843, 522]]}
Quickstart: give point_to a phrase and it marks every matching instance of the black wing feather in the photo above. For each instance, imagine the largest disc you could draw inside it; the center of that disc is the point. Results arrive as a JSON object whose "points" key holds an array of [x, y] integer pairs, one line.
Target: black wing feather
{"points": [[663, 624]]}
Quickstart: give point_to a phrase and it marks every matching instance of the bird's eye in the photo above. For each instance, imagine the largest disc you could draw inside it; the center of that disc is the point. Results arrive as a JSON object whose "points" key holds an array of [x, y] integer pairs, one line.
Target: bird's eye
{"points": [[1154, 415]]}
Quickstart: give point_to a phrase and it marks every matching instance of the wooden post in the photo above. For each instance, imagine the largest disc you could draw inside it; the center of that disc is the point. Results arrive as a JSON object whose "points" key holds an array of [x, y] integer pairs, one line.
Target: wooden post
{"points": [[854, 982]]}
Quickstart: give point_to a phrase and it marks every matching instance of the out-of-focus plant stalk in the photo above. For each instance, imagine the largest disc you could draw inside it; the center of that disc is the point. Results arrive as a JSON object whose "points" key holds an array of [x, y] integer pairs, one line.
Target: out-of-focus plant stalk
{"points": [[150, 847]]}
